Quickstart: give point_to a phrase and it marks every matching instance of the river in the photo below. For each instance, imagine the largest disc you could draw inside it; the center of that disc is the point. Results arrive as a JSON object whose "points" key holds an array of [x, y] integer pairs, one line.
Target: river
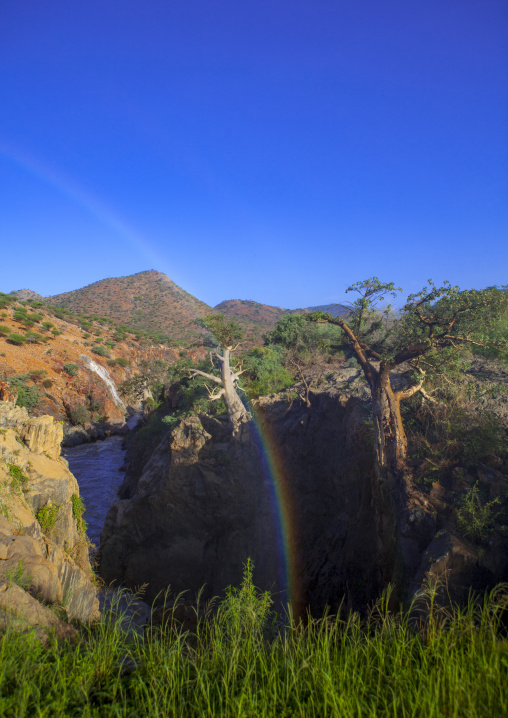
{"points": [[97, 470]]}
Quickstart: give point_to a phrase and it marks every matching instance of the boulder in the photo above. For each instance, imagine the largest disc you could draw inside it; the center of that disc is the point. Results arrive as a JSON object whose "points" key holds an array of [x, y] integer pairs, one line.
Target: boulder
{"points": [[43, 435], [23, 613]]}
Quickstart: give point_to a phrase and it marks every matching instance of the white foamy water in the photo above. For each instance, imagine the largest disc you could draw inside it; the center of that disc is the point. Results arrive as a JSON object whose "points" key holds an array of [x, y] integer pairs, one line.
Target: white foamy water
{"points": [[104, 375]]}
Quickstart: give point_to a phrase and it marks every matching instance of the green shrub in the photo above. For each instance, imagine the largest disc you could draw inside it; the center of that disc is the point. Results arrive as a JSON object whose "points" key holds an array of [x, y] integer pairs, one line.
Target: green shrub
{"points": [[47, 325], [101, 351], [47, 516], [55, 332], [78, 509], [80, 415], [34, 317], [121, 361], [4, 331], [28, 396], [47, 383], [17, 339], [71, 369], [264, 372], [18, 576], [34, 337], [476, 516], [19, 479]]}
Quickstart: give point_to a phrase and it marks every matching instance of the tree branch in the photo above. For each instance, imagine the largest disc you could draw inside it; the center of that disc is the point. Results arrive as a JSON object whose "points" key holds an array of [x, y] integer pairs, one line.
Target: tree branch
{"points": [[212, 396], [207, 376]]}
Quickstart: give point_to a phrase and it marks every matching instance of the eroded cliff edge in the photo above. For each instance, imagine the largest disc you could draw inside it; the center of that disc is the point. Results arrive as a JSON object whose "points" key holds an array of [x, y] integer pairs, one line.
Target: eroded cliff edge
{"points": [[43, 545], [294, 496], [195, 506]]}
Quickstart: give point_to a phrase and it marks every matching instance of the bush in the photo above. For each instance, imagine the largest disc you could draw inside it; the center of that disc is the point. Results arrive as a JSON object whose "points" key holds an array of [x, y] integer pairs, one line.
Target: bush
{"points": [[19, 479], [17, 339], [475, 516], [80, 415], [121, 361], [47, 516], [71, 369], [55, 332], [28, 396], [34, 337], [101, 351], [4, 331], [245, 613], [264, 373], [47, 326], [47, 383], [78, 509]]}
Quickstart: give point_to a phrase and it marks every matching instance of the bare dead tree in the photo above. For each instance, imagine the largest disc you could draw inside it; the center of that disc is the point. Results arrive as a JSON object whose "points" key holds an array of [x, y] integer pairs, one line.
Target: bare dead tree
{"points": [[228, 335]]}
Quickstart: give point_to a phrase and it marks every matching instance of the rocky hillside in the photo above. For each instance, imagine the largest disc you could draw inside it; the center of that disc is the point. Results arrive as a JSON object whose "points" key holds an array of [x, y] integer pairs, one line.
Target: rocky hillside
{"points": [[149, 301], [43, 545], [334, 309], [53, 362], [257, 319]]}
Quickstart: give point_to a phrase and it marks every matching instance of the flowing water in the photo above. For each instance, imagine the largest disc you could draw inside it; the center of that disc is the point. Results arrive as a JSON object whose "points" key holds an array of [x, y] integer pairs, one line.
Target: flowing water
{"points": [[97, 470], [104, 375]]}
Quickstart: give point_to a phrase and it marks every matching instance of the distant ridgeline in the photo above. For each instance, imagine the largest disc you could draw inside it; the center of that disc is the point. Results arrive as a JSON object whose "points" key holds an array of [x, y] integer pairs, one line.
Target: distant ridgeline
{"points": [[151, 302]]}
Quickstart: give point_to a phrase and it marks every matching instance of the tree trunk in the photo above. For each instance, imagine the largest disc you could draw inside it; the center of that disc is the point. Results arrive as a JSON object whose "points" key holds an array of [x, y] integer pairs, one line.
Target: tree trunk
{"points": [[389, 435], [389, 487], [236, 410]]}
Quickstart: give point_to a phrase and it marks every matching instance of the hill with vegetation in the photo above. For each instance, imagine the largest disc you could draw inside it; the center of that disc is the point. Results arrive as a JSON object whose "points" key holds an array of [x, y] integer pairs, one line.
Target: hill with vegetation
{"points": [[148, 301], [334, 310], [151, 302], [255, 318], [44, 365]]}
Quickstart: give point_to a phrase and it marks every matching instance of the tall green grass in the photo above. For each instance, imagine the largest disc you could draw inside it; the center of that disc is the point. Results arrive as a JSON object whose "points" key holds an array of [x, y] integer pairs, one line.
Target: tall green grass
{"points": [[241, 662]]}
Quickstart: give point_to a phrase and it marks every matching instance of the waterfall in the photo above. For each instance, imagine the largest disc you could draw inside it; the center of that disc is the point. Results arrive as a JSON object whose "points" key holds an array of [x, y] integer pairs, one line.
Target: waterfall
{"points": [[104, 375]]}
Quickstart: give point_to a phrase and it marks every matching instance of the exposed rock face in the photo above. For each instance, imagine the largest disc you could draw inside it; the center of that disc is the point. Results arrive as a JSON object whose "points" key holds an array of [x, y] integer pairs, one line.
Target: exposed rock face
{"points": [[43, 435], [6, 393], [198, 511], [197, 505], [22, 612], [203, 503], [39, 540]]}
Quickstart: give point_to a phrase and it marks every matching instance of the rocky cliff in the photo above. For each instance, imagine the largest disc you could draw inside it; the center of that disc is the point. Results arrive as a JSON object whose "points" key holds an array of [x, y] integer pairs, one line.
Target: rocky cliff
{"points": [[203, 503], [43, 546], [197, 506]]}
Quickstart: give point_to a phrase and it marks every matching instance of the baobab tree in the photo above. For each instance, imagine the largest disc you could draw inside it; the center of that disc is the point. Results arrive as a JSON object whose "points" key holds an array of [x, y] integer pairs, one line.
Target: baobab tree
{"points": [[433, 319], [228, 336]]}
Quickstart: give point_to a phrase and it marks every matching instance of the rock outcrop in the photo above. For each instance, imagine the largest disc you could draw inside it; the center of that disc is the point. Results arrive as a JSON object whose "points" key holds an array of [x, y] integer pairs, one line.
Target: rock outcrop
{"points": [[42, 547], [195, 506], [200, 508], [203, 503]]}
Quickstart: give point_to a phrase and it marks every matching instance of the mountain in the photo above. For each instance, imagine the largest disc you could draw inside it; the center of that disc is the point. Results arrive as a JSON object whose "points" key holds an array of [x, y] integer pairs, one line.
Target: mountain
{"points": [[257, 319], [334, 309], [149, 301], [26, 294]]}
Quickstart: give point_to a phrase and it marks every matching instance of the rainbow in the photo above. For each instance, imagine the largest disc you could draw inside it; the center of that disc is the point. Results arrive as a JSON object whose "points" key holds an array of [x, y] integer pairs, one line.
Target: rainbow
{"points": [[284, 507], [272, 460]]}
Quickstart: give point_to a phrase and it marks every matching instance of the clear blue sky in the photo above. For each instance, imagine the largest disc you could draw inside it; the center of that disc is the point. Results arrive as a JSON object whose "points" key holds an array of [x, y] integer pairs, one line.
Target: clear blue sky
{"points": [[272, 150]]}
